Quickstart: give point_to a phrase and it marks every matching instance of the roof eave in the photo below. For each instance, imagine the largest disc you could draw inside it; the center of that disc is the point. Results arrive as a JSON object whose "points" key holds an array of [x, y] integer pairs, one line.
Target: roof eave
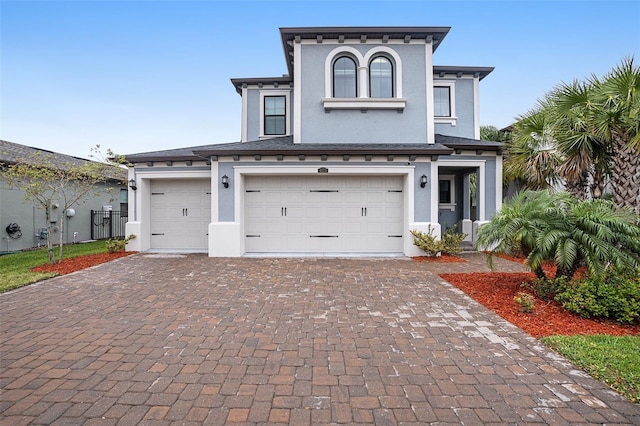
{"points": [[324, 151], [288, 34], [146, 158]]}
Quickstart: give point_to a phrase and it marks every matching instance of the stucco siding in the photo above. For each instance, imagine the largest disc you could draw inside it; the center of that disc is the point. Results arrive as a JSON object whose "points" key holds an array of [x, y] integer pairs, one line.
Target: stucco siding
{"points": [[30, 218], [464, 104], [354, 126]]}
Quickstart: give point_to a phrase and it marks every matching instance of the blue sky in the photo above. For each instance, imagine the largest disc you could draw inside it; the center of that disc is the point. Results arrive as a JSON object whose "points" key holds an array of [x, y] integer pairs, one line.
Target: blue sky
{"points": [[138, 76]]}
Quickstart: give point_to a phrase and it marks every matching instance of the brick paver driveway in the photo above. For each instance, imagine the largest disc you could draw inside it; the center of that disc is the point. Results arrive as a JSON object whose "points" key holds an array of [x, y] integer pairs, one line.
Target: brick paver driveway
{"points": [[158, 339]]}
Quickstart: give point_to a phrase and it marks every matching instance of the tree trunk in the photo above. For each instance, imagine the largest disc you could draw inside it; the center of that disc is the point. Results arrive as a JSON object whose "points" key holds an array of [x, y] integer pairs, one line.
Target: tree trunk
{"points": [[625, 175], [47, 217], [567, 272], [540, 273], [62, 218], [597, 186], [578, 186]]}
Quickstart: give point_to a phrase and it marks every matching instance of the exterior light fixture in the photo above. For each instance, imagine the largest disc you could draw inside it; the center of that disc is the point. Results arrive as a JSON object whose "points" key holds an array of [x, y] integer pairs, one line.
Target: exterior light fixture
{"points": [[132, 184], [225, 181], [423, 181]]}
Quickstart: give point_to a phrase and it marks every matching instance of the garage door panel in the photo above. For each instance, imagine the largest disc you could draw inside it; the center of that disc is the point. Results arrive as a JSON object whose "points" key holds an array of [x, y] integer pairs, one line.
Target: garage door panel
{"points": [[180, 213], [325, 214]]}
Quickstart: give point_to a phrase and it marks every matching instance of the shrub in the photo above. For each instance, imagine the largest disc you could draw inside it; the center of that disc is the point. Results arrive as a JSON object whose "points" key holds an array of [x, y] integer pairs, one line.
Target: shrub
{"points": [[451, 241], [526, 301], [448, 244], [547, 289], [615, 296], [557, 227], [117, 245]]}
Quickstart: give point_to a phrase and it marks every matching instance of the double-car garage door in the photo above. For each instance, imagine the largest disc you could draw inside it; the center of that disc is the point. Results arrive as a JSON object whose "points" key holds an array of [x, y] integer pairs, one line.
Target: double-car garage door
{"points": [[323, 214]]}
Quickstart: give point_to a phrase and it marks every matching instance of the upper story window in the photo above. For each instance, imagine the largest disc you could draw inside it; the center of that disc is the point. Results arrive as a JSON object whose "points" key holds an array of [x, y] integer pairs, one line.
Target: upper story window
{"points": [[380, 78], [275, 115], [345, 79], [442, 101], [275, 112], [360, 79]]}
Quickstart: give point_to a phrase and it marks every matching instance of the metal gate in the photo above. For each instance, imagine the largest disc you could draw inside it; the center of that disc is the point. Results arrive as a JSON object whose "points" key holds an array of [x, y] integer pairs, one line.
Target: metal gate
{"points": [[108, 224]]}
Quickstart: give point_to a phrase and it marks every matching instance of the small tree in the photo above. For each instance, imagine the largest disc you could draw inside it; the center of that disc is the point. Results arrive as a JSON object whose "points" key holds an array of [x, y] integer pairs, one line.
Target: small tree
{"points": [[56, 184]]}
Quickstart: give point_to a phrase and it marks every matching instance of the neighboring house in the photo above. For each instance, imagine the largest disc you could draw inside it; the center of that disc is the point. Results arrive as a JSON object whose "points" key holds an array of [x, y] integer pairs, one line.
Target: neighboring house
{"points": [[23, 224], [363, 140]]}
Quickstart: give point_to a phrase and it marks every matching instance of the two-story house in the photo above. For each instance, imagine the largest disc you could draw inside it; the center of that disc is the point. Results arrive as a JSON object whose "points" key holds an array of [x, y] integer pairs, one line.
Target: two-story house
{"points": [[363, 140]]}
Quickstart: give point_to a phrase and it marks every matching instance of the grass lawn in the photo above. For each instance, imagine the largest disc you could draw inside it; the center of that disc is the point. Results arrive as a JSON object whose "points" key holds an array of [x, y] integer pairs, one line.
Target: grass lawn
{"points": [[614, 360], [15, 269]]}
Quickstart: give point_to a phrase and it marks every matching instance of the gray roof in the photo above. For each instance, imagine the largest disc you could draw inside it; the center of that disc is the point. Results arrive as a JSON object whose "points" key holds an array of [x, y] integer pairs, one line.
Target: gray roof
{"points": [[284, 146], [239, 82], [178, 154], [12, 153], [480, 72], [456, 142]]}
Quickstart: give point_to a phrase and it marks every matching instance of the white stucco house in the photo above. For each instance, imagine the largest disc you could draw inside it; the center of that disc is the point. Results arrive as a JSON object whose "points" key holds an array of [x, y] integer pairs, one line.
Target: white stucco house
{"points": [[363, 139]]}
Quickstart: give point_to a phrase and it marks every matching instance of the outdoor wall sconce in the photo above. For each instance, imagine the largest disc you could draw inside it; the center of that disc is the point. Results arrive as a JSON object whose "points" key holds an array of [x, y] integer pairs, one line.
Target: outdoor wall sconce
{"points": [[132, 184], [225, 181], [423, 181]]}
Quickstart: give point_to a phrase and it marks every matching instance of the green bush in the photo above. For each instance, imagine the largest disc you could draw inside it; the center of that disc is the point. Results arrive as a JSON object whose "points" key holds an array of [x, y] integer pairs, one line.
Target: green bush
{"points": [[615, 296], [525, 301], [448, 244], [116, 245], [451, 241], [426, 242], [547, 289]]}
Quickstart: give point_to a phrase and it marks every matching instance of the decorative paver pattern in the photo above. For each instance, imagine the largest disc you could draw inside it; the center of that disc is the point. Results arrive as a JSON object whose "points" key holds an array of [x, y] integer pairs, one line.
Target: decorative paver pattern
{"points": [[158, 340]]}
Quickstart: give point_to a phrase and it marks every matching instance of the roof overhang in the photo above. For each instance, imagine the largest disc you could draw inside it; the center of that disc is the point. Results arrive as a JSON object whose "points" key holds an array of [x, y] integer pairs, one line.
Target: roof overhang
{"points": [[291, 35], [239, 83], [477, 72], [341, 149]]}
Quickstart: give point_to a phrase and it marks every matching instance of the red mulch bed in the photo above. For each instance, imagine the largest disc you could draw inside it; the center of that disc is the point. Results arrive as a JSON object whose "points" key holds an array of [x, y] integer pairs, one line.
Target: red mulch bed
{"points": [[80, 262], [444, 258], [496, 291]]}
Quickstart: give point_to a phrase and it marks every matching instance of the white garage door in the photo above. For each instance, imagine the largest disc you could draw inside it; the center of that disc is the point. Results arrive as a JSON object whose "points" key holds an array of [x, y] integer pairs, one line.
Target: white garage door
{"points": [[180, 214], [324, 214]]}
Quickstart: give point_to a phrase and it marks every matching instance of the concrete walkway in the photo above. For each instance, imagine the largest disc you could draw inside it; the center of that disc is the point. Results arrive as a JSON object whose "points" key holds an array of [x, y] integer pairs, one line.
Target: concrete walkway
{"points": [[167, 339]]}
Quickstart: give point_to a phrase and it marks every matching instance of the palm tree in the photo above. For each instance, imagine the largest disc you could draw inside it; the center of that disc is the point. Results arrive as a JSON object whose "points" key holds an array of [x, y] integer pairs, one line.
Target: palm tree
{"points": [[616, 119], [586, 157], [532, 154], [515, 228], [557, 227], [583, 134]]}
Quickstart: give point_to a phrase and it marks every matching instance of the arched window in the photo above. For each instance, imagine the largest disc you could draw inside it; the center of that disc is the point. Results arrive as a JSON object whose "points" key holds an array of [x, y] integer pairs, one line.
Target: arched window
{"points": [[344, 78], [380, 78]]}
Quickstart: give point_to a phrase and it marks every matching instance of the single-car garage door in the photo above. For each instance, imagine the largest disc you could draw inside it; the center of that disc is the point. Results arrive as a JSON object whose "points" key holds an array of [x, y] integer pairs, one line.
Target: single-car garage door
{"points": [[324, 214], [180, 214]]}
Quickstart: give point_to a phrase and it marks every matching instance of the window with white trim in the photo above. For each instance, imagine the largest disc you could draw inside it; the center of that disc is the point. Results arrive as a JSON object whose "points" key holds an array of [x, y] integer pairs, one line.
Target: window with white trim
{"points": [[444, 101], [358, 81], [274, 113], [447, 192]]}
